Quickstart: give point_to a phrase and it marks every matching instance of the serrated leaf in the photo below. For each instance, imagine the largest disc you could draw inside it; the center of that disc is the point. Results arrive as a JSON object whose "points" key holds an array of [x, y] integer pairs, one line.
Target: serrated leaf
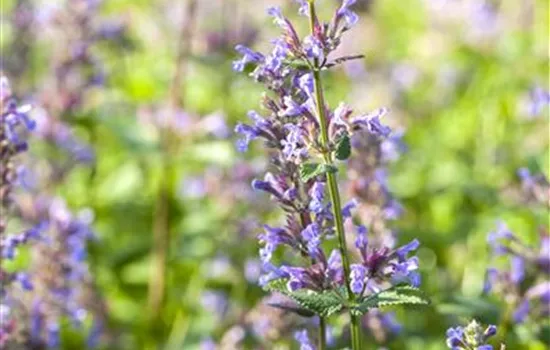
{"points": [[323, 303], [309, 171], [343, 148], [398, 295]]}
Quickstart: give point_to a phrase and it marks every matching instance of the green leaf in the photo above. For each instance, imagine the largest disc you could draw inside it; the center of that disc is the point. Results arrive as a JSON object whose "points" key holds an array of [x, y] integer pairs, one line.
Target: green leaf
{"points": [[323, 303], [343, 148], [309, 171], [398, 295]]}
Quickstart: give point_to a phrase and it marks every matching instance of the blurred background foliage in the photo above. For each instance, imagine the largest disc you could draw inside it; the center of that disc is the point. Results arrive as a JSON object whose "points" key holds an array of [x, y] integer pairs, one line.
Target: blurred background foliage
{"points": [[456, 76]]}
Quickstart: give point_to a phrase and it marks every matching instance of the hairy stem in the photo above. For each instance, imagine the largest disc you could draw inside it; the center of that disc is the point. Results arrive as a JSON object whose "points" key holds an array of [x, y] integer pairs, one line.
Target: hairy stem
{"points": [[322, 334], [333, 185]]}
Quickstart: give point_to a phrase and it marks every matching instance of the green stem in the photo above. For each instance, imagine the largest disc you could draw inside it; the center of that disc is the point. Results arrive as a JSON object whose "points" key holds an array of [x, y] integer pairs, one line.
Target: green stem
{"points": [[333, 185], [322, 334]]}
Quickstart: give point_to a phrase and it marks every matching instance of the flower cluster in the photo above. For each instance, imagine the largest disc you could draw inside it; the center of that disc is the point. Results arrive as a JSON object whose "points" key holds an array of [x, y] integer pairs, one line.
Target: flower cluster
{"points": [[376, 206], [473, 337], [13, 120], [525, 283], [60, 271]]}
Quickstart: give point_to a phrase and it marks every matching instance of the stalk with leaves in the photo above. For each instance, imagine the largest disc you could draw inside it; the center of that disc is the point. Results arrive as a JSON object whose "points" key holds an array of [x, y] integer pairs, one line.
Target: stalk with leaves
{"points": [[307, 142]]}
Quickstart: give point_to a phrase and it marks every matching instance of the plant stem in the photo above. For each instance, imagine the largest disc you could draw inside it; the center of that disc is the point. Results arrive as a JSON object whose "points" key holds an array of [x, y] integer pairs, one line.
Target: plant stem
{"points": [[333, 185], [322, 334], [169, 143]]}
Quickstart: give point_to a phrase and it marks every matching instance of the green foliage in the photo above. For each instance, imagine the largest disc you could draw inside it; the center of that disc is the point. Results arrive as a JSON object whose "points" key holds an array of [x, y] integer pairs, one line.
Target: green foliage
{"points": [[343, 148], [397, 295], [310, 171], [324, 303], [327, 303]]}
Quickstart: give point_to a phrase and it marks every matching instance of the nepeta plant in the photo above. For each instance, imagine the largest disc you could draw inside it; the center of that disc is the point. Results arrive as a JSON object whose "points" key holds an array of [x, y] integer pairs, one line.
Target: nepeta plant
{"points": [[14, 120], [519, 273], [305, 140], [64, 289]]}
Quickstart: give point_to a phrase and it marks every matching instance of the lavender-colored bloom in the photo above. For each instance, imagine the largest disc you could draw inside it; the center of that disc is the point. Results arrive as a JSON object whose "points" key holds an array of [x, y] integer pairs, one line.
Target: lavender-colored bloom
{"points": [[334, 268], [313, 48], [496, 238], [306, 84], [346, 210], [517, 271], [349, 16], [303, 339], [361, 242], [406, 272], [298, 276], [291, 108], [24, 279], [249, 134], [252, 270], [293, 148], [53, 338], [312, 235], [304, 8], [249, 56], [521, 312], [208, 344], [539, 99], [357, 278], [403, 251], [317, 193], [374, 125]]}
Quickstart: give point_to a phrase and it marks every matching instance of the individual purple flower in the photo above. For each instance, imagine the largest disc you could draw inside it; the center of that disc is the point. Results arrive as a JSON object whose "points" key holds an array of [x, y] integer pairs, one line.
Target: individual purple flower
{"points": [[317, 193], [304, 7], [517, 270], [357, 278], [303, 339], [278, 18], [373, 124], [346, 210], [312, 235], [349, 16], [497, 237], [521, 312], [313, 48], [249, 56], [249, 133]]}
